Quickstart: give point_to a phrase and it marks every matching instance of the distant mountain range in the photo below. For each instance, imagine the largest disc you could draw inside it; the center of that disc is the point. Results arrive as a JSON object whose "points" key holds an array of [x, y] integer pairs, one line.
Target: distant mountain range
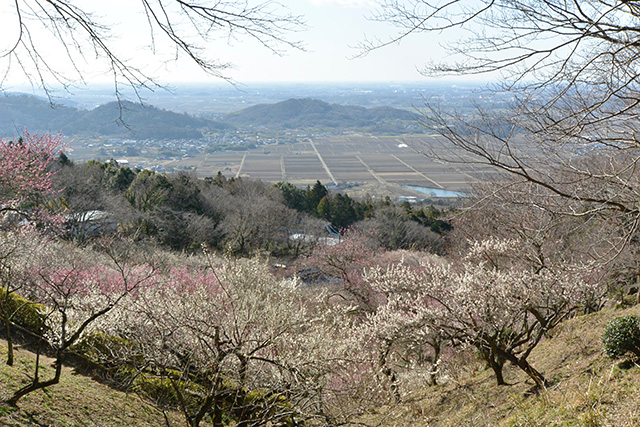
{"points": [[125, 119], [133, 120]]}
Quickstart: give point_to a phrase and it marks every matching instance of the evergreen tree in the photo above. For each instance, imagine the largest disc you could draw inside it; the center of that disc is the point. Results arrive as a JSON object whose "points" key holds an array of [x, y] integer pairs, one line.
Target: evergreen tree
{"points": [[324, 208], [315, 195], [294, 197]]}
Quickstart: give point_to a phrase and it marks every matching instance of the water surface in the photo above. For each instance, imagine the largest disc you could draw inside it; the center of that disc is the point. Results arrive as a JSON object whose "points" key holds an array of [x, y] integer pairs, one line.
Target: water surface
{"points": [[435, 192]]}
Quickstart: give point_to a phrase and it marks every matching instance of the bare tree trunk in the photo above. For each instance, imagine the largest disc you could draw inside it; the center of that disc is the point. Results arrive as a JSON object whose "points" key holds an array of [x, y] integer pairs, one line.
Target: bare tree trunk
{"points": [[497, 371], [9, 337], [494, 356], [522, 363], [217, 414], [9, 347], [36, 384], [6, 318], [388, 372], [495, 363], [536, 376], [436, 358]]}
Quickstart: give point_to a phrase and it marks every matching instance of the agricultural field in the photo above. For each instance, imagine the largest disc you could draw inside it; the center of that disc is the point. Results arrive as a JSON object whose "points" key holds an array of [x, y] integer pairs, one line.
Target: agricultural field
{"points": [[355, 163]]}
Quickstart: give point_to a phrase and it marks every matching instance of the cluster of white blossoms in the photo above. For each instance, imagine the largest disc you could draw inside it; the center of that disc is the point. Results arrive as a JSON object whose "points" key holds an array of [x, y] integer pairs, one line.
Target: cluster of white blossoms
{"points": [[487, 299]]}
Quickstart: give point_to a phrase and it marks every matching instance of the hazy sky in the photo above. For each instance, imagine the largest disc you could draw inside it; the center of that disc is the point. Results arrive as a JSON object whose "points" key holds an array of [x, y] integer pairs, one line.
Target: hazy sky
{"points": [[335, 27]]}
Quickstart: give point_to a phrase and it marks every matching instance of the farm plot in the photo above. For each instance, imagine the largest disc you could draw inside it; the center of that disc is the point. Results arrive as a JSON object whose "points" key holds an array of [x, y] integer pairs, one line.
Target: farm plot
{"points": [[226, 162], [304, 169], [261, 166], [347, 168], [355, 162]]}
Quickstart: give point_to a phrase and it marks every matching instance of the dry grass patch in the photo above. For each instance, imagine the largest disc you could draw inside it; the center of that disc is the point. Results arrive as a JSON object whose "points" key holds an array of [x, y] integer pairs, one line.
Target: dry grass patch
{"points": [[587, 388]]}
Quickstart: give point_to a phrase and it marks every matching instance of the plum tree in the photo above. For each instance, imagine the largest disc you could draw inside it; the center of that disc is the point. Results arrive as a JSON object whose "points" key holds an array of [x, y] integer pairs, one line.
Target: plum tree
{"points": [[26, 175], [487, 299], [227, 337], [75, 289]]}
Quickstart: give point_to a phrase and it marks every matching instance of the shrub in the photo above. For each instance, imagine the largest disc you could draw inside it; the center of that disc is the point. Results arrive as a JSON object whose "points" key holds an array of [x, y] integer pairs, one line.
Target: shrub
{"points": [[621, 336], [106, 350], [23, 312]]}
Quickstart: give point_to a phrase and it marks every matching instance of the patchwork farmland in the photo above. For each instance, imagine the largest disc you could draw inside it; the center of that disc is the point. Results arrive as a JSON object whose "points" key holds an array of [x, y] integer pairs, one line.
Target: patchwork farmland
{"points": [[378, 165]]}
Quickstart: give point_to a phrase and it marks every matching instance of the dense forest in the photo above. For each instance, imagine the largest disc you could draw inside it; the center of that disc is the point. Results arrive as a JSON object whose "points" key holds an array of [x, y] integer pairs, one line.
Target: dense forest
{"points": [[236, 215]]}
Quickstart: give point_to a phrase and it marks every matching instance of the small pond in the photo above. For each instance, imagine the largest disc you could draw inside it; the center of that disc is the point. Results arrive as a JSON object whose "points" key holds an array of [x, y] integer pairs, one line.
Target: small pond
{"points": [[435, 192]]}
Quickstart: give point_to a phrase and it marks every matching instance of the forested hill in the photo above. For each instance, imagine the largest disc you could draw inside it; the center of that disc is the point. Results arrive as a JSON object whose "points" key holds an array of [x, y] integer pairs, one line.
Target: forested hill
{"points": [[312, 113], [141, 122], [18, 112], [133, 120], [128, 119]]}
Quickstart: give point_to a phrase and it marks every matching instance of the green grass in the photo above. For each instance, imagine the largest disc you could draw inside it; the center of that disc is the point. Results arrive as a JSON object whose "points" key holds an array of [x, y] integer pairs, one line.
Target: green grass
{"points": [[77, 401]]}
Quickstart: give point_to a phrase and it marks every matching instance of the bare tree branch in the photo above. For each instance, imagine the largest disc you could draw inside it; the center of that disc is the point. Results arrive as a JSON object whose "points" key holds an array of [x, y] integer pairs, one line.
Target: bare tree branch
{"points": [[565, 135], [188, 27]]}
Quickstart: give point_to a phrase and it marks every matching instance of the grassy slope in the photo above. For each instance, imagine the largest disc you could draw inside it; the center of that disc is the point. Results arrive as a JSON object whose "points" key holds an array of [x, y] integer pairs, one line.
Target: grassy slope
{"points": [[588, 390], [76, 401]]}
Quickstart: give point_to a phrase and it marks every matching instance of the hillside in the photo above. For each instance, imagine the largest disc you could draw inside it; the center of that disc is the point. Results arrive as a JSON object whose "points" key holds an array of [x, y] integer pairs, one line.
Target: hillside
{"points": [[141, 121], [36, 114], [127, 120], [77, 401], [588, 390], [311, 113]]}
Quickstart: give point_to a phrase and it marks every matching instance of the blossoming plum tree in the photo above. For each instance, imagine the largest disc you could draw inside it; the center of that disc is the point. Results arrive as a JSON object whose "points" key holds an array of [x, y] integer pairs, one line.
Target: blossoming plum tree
{"points": [[228, 338], [75, 288], [347, 261], [402, 333], [26, 175], [488, 300]]}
